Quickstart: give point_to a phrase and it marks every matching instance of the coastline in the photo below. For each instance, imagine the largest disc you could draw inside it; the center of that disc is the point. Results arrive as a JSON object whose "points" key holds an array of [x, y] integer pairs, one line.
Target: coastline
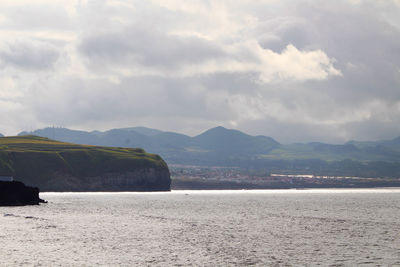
{"points": [[236, 191], [198, 183]]}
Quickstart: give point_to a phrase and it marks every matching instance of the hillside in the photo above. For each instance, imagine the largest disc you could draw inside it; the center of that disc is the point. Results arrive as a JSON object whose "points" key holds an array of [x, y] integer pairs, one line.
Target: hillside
{"points": [[58, 166], [233, 141], [211, 147], [225, 147]]}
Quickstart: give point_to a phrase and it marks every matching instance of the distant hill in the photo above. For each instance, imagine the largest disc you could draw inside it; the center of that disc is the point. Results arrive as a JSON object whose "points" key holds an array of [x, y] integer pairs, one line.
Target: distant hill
{"points": [[60, 166], [1, 135], [143, 130], [226, 147], [233, 141], [218, 143], [392, 144]]}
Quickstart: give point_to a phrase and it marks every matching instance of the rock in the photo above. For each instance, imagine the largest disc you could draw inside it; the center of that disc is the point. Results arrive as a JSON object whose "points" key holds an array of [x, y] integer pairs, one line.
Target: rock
{"points": [[18, 194]]}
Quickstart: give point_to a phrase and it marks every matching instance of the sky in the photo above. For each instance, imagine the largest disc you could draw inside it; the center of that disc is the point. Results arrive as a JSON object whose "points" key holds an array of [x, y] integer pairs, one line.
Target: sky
{"points": [[297, 71]]}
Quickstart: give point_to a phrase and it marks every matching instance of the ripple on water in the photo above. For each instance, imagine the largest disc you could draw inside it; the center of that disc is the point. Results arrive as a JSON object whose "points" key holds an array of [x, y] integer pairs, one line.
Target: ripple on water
{"points": [[251, 228]]}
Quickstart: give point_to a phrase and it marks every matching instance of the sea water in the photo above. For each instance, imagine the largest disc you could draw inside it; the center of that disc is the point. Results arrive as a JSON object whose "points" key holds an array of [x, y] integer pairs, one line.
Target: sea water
{"points": [[358, 227]]}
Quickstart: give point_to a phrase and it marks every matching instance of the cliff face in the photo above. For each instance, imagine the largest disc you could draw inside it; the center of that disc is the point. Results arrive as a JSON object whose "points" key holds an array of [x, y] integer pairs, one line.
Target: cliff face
{"points": [[58, 166], [148, 179]]}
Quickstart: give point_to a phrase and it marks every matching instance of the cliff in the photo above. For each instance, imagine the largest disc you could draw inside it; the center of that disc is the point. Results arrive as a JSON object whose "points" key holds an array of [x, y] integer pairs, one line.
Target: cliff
{"points": [[58, 166], [18, 194]]}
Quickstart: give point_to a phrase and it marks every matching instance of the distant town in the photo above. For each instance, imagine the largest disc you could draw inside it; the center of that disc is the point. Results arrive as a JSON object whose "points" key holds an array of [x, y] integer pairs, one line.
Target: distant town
{"points": [[215, 177]]}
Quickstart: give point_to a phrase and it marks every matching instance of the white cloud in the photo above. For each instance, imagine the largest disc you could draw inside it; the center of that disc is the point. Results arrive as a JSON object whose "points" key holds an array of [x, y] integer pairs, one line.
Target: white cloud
{"points": [[293, 64]]}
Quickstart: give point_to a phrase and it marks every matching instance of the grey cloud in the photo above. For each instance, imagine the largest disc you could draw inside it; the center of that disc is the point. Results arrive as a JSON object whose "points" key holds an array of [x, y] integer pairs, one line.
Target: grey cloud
{"points": [[362, 103], [36, 17], [287, 30], [366, 48], [28, 55], [376, 129], [78, 101], [146, 47]]}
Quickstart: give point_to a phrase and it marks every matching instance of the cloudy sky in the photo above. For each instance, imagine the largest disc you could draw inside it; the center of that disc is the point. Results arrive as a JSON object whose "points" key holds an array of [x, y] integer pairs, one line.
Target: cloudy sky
{"points": [[293, 70]]}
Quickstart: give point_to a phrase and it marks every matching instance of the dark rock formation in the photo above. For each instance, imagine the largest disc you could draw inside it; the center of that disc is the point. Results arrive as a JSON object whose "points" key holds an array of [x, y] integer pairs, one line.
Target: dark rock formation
{"points": [[18, 194]]}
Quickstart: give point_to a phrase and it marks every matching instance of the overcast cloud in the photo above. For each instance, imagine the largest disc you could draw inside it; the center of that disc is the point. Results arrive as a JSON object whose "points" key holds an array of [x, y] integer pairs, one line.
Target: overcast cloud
{"points": [[293, 70]]}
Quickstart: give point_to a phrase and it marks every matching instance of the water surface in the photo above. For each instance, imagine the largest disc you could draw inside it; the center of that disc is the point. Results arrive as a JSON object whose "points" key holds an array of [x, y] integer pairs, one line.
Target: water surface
{"points": [[324, 227]]}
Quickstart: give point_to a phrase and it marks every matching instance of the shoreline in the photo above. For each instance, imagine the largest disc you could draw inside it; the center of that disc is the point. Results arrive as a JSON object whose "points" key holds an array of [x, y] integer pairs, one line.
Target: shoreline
{"points": [[184, 191]]}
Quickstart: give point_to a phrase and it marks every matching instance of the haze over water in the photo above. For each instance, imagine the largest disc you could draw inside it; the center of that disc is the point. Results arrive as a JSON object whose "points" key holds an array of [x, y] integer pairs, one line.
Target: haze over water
{"points": [[206, 228]]}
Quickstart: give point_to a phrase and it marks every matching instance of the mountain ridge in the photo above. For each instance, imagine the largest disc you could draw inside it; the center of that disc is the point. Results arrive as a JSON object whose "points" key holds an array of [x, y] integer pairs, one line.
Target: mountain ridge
{"points": [[217, 133], [220, 146]]}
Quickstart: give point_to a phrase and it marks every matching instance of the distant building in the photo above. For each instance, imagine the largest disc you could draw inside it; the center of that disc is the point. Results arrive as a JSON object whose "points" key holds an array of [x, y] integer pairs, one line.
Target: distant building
{"points": [[6, 178]]}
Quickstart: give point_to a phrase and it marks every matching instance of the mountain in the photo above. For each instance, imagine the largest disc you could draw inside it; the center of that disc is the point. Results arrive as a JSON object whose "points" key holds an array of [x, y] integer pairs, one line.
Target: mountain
{"points": [[143, 130], [216, 144], [1, 135], [393, 144], [233, 141], [226, 147], [60, 166]]}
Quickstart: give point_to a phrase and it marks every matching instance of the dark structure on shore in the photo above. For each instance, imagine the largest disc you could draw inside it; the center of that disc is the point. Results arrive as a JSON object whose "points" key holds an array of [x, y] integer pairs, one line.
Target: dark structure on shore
{"points": [[18, 194]]}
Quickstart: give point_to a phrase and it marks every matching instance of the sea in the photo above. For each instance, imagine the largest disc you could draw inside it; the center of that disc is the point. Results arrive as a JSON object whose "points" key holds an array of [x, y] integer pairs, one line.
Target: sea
{"points": [[316, 227]]}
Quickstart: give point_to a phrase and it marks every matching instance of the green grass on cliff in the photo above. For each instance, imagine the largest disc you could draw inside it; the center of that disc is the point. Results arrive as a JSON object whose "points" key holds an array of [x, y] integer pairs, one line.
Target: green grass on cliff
{"points": [[37, 158]]}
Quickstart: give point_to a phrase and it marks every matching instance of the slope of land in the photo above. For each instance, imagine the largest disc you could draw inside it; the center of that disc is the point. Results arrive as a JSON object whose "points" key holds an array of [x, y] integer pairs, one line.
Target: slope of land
{"points": [[231, 148], [58, 166]]}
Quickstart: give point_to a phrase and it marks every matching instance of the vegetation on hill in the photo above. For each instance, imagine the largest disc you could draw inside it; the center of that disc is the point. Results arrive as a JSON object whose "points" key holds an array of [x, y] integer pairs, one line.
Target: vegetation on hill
{"points": [[39, 161], [224, 147]]}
